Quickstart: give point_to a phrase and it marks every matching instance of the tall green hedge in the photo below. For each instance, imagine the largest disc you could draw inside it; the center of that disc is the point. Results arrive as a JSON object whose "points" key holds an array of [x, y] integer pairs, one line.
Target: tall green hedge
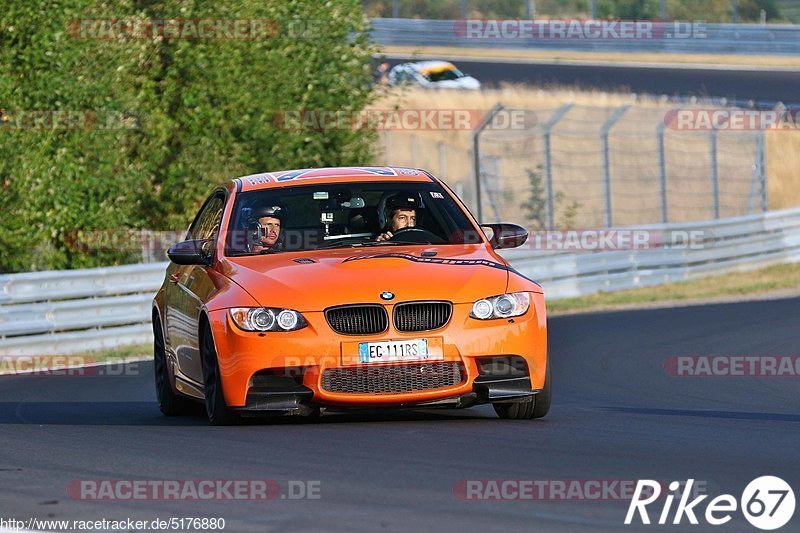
{"points": [[165, 119]]}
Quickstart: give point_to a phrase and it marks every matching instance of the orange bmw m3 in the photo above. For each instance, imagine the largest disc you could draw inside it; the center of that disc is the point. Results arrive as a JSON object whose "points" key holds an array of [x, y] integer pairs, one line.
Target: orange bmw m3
{"points": [[300, 291]]}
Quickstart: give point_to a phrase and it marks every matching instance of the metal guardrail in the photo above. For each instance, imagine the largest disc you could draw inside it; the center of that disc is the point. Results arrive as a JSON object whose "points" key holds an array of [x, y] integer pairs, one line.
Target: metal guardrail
{"points": [[60, 312], [770, 39]]}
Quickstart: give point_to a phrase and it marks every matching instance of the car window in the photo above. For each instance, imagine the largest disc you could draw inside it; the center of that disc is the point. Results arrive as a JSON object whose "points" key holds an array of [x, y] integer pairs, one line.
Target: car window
{"points": [[326, 216], [206, 225], [445, 75]]}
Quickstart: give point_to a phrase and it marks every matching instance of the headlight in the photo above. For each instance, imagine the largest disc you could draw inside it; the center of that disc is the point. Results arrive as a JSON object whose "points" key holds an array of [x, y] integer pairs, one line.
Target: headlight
{"points": [[503, 306], [267, 319]]}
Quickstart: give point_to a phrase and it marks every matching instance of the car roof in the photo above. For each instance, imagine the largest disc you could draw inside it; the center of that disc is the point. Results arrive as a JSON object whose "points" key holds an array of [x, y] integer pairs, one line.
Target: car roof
{"points": [[306, 176], [427, 67]]}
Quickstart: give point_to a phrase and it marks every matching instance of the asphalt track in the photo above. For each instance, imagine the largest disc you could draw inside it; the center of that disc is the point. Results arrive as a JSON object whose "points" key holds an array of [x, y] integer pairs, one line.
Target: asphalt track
{"points": [[768, 86], [617, 415]]}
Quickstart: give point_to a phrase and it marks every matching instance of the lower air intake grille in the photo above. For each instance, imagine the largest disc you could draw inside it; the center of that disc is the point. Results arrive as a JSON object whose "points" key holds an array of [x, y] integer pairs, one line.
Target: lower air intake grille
{"points": [[393, 379]]}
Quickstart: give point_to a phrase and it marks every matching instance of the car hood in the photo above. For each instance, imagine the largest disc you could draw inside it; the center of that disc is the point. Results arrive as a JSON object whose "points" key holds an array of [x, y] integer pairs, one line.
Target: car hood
{"points": [[315, 280]]}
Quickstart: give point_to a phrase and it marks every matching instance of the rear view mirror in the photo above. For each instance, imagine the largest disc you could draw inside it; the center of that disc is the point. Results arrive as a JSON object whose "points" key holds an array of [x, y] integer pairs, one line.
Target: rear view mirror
{"points": [[192, 252], [506, 235]]}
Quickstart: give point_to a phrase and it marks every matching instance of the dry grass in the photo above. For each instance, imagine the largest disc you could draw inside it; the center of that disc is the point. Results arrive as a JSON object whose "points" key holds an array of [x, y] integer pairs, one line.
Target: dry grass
{"points": [[442, 52], [577, 163], [783, 168], [778, 280]]}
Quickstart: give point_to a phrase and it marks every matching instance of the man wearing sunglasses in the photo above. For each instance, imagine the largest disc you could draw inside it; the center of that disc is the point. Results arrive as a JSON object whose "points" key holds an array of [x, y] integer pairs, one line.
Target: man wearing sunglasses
{"points": [[269, 229]]}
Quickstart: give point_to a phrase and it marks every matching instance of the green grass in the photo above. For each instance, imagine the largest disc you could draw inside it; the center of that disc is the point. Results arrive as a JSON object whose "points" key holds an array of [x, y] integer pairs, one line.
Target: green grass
{"points": [[134, 351], [774, 278]]}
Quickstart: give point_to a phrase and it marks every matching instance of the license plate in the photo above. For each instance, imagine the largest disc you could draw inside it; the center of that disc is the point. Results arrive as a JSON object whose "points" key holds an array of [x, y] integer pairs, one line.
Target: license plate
{"points": [[393, 351]]}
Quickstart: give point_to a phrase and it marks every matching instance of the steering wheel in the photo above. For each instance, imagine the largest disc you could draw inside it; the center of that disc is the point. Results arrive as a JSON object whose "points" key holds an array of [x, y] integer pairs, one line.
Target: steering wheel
{"points": [[417, 235]]}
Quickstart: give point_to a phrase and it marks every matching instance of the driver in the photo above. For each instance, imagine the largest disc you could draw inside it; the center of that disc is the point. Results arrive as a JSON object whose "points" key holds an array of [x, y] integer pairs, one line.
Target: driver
{"points": [[269, 229], [401, 213]]}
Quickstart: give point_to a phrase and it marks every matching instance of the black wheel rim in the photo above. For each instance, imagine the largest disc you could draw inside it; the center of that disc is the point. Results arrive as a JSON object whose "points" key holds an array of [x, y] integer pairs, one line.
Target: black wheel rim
{"points": [[209, 374], [160, 364]]}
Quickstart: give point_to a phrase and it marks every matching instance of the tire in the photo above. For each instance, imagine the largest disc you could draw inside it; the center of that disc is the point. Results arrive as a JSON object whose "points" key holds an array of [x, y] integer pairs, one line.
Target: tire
{"points": [[219, 414], [168, 400], [537, 407]]}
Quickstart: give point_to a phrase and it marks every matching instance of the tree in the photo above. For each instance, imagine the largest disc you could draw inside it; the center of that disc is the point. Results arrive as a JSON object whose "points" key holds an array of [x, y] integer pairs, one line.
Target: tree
{"points": [[164, 118]]}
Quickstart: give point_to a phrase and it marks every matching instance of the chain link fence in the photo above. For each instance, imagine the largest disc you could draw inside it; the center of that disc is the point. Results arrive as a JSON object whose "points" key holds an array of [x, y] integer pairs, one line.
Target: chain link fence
{"points": [[709, 10], [579, 166]]}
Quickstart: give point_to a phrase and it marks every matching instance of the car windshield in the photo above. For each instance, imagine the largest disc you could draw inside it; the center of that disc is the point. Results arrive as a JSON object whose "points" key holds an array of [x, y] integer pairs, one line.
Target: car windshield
{"points": [[444, 75], [313, 217]]}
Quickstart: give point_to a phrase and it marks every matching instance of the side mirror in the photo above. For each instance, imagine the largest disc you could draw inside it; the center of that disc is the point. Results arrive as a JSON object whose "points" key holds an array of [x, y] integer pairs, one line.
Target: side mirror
{"points": [[506, 235], [193, 252]]}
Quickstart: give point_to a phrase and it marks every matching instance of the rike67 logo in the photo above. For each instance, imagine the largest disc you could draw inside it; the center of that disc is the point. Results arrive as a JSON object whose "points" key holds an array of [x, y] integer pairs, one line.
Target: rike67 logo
{"points": [[767, 503]]}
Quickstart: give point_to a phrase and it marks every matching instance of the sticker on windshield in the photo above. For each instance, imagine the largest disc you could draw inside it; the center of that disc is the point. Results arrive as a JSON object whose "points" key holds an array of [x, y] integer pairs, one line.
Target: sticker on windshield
{"points": [[321, 195], [435, 194]]}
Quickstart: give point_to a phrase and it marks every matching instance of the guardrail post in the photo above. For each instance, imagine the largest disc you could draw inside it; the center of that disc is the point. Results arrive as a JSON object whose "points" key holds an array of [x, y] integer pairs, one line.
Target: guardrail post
{"points": [[662, 171], [476, 134], [548, 161], [714, 174], [613, 119]]}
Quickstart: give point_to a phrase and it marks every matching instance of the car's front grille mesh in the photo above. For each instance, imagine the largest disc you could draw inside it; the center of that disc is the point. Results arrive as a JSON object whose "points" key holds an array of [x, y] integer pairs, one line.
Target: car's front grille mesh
{"points": [[421, 316], [393, 379], [358, 319]]}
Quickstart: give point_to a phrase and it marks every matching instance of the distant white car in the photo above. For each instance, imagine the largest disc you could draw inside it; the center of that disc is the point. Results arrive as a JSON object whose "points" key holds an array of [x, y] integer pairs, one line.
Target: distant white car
{"points": [[433, 74]]}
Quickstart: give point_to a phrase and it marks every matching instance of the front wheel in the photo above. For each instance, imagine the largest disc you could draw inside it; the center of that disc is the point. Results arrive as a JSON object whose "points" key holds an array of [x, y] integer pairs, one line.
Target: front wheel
{"points": [[219, 414], [537, 407]]}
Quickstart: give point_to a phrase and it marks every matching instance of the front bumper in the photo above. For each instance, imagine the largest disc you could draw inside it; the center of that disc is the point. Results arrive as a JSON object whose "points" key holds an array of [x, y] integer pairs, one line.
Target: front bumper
{"points": [[310, 351]]}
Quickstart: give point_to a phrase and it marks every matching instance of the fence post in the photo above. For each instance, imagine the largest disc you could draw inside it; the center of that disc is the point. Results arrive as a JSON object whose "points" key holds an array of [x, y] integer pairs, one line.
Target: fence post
{"points": [[714, 174], [396, 9], [762, 163], [463, 9], [530, 9], [476, 134], [414, 150], [662, 171], [442, 160], [663, 10], [388, 140], [593, 9], [613, 119], [548, 161]]}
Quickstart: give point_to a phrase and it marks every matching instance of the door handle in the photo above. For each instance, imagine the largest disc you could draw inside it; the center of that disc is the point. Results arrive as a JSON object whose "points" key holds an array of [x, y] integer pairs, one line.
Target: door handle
{"points": [[174, 278]]}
